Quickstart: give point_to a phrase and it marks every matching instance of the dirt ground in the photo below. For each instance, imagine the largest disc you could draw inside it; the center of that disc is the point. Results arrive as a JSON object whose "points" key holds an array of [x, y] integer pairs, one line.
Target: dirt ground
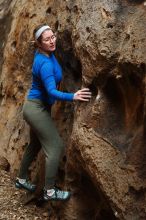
{"points": [[12, 205]]}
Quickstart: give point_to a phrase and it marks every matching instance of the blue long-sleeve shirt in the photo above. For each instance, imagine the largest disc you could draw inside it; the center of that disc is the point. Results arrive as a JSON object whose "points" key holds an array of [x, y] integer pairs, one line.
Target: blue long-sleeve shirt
{"points": [[46, 76]]}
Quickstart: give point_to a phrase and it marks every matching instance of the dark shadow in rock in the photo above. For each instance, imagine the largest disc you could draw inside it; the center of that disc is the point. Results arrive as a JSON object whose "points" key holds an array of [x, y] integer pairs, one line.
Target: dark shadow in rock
{"points": [[136, 1], [88, 201], [70, 63], [118, 111]]}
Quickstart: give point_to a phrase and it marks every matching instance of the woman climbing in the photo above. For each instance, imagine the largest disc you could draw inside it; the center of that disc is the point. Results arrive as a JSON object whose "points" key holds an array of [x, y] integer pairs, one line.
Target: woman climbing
{"points": [[47, 74]]}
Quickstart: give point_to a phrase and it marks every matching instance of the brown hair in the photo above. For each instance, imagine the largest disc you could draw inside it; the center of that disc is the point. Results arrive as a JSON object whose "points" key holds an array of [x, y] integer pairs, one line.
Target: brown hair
{"points": [[36, 29]]}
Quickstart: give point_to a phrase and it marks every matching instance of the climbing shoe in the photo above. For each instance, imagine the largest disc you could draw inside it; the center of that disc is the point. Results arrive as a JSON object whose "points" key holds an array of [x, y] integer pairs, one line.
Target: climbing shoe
{"points": [[25, 185], [56, 194]]}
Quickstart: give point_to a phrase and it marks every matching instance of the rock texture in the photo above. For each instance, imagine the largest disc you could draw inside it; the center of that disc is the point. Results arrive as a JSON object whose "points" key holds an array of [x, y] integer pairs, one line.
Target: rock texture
{"points": [[101, 44]]}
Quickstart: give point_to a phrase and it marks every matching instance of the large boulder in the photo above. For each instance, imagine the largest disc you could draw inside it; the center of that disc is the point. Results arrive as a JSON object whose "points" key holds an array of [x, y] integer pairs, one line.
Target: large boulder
{"points": [[101, 45]]}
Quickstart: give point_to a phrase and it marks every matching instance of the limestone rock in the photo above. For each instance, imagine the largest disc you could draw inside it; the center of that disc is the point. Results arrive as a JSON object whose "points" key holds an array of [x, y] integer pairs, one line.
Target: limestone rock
{"points": [[101, 45]]}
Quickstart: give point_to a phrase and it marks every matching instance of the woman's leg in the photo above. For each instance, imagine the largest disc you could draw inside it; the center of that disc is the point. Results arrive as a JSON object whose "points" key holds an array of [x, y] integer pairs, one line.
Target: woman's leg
{"points": [[30, 153], [48, 136]]}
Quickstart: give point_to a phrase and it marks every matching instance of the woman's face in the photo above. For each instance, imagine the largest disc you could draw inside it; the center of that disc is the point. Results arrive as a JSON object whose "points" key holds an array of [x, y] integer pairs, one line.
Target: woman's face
{"points": [[48, 41]]}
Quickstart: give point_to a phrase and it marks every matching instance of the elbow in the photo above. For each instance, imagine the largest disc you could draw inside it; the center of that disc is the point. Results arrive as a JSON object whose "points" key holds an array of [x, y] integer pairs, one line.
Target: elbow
{"points": [[52, 92], [55, 94]]}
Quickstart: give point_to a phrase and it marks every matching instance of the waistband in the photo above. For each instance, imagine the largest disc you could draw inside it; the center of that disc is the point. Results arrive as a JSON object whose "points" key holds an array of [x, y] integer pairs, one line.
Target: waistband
{"points": [[39, 101]]}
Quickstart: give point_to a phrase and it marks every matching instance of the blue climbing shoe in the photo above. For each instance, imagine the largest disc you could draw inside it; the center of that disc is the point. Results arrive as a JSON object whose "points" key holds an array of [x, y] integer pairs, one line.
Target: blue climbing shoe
{"points": [[57, 195], [26, 185]]}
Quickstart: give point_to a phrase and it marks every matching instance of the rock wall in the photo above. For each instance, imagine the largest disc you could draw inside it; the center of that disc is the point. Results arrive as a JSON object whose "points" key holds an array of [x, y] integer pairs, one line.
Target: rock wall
{"points": [[101, 44]]}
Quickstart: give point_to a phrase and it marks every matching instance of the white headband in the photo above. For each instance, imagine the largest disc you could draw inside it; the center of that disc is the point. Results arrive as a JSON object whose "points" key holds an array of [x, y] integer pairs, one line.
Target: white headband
{"points": [[40, 31]]}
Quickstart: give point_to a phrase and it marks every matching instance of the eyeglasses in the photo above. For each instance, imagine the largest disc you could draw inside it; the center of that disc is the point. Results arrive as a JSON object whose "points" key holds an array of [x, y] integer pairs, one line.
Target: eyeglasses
{"points": [[51, 38]]}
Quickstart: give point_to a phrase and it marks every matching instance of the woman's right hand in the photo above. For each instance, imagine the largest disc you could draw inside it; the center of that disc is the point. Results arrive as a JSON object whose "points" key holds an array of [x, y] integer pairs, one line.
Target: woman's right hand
{"points": [[82, 95]]}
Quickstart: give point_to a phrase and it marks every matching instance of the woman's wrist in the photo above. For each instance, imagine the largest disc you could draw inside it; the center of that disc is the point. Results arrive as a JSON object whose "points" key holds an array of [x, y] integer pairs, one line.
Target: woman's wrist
{"points": [[74, 97]]}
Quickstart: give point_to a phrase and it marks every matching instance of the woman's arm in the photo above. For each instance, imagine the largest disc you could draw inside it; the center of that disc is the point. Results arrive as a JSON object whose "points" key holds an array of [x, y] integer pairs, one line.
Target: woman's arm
{"points": [[48, 79]]}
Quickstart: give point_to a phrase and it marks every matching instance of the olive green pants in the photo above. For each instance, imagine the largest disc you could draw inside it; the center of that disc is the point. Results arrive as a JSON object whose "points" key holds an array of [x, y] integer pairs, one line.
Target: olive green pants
{"points": [[43, 134]]}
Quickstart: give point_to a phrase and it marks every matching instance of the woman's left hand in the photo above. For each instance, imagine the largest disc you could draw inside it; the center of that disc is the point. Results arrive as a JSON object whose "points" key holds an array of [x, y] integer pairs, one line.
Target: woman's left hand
{"points": [[83, 95]]}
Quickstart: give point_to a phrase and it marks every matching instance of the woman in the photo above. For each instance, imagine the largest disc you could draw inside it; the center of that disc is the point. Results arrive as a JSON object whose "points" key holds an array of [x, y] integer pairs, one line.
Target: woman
{"points": [[47, 75]]}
